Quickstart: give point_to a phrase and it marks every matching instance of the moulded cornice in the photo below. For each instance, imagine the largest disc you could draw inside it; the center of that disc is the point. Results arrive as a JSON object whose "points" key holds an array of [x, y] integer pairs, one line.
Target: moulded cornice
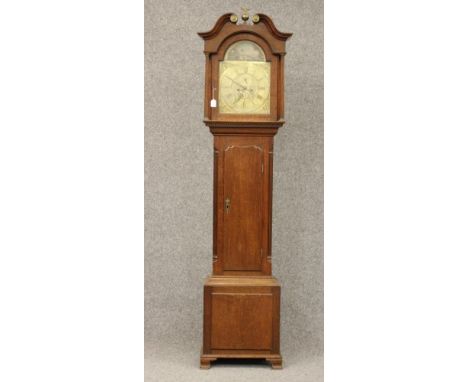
{"points": [[224, 19], [269, 23]]}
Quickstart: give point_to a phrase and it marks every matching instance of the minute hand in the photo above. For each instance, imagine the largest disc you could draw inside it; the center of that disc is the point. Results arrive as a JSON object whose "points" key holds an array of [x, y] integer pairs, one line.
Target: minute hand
{"points": [[242, 86]]}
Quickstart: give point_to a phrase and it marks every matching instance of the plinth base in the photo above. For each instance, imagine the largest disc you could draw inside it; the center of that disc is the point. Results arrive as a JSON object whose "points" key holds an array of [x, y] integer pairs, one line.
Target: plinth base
{"points": [[241, 319], [275, 359]]}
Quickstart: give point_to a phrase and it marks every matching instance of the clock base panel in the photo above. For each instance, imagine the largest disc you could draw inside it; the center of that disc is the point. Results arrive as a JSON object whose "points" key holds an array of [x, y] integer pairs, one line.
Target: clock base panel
{"points": [[241, 319]]}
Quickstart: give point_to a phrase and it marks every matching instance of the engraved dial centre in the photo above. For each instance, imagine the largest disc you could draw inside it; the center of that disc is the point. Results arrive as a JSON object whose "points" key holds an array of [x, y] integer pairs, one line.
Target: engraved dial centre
{"points": [[245, 87]]}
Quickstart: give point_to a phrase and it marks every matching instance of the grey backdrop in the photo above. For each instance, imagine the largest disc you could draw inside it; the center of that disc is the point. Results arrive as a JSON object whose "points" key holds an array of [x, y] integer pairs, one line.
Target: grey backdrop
{"points": [[178, 191]]}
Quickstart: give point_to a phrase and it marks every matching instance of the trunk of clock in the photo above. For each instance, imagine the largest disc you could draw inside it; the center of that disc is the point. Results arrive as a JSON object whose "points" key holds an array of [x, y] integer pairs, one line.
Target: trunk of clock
{"points": [[242, 299], [242, 207]]}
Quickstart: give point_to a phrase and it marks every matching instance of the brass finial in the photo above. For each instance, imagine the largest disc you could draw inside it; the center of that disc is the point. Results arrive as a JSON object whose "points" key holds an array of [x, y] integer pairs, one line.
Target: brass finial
{"points": [[245, 13], [233, 18], [255, 19]]}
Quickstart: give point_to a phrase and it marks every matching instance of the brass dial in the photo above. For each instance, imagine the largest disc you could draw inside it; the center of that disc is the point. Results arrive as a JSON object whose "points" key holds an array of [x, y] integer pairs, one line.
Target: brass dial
{"points": [[244, 87]]}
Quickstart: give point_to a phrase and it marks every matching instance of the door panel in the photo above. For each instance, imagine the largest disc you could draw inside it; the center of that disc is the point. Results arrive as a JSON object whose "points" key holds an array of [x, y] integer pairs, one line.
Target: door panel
{"points": [[242, 321], [243, 197]]}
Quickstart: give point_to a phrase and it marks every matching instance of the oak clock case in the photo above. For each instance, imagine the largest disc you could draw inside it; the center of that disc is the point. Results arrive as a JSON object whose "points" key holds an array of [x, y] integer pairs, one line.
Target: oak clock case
{"points": [[244, 95]]}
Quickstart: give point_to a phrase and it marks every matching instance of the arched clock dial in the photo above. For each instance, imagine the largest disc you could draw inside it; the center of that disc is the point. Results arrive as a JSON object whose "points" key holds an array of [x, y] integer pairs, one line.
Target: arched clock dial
{"points": [[244, 80], [244, 87]]}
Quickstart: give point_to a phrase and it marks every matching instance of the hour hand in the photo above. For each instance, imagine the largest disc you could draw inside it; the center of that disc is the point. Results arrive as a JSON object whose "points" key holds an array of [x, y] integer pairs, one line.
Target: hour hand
{"points": [[239, 97], [237, 83]]}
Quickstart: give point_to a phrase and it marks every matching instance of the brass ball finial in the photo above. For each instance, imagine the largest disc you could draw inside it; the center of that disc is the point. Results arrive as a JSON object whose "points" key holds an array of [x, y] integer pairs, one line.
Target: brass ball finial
{"points": [[255, 19], [245, 13], [233, 18]]}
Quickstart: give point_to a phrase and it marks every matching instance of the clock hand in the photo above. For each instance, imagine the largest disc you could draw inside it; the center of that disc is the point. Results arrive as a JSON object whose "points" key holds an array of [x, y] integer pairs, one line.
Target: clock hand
{"points": [[237, 83], [239, 97]]}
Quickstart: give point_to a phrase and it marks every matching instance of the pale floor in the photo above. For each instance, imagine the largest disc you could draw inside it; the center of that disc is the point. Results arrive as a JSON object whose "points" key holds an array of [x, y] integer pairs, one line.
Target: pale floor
{"points": [[180, 363]]}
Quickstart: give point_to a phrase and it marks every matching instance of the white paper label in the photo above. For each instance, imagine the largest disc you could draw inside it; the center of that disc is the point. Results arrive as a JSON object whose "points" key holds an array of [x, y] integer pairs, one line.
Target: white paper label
{"points": [[213, 103]]}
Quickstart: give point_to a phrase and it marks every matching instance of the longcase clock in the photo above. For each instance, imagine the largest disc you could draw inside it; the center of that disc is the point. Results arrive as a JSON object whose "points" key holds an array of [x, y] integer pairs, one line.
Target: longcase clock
{"points": [[244, 107]]}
